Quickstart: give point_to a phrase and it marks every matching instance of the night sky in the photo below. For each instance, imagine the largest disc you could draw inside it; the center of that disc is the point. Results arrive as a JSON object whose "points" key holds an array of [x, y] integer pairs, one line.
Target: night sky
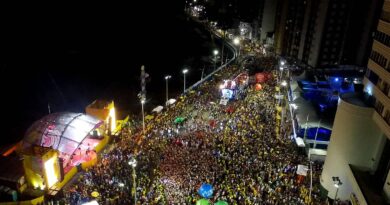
{"points": [[69, 55]]}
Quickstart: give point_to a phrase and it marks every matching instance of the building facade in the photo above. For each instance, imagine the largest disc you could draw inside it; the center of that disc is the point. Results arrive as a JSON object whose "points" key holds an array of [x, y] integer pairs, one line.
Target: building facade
{"points": [[359, 150], [326, 32]]}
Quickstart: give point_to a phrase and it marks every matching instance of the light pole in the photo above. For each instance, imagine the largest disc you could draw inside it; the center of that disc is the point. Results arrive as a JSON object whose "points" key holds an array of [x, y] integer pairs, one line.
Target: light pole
{"points": [[143, 115], [337, 183], [184, 74], [311, 179], [315, 137], [166, 87], [305, 134], [215, 52], [281, 70], [133, 164], [283, 84]]}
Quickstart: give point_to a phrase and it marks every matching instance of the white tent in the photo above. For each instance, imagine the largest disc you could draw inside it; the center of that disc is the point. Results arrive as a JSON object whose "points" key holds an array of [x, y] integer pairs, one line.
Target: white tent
{"points": [[158, 109], [171, 101], [300, 142]]}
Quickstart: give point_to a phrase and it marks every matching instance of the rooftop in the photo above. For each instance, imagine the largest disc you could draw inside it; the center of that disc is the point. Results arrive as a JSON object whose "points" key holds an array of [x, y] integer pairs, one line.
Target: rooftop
{"points": [[355, 99]]}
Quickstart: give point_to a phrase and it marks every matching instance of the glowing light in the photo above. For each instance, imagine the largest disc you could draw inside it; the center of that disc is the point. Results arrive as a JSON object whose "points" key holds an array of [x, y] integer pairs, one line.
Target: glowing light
{"points": [[51, 176], [168, 77], [143, 101], [133, 162], [121, 184], [185, 71], [282, 62], [236, 41], [113, 119], [221, 86], [284, 83], [336, 79], [369, 88], [215, 52]]}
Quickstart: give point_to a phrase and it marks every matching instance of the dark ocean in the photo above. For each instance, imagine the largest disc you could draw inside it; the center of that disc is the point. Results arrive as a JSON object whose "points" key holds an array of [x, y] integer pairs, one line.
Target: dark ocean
{"points": [[68, 58]]}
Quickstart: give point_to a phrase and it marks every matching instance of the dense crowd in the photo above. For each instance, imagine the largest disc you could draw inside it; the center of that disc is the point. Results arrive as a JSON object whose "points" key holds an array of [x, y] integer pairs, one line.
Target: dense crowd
{"points": [[237, 151]]}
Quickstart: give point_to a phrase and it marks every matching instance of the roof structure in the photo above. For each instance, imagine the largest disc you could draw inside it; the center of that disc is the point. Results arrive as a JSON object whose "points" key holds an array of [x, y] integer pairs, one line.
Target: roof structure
{"points": [[63, 131]]}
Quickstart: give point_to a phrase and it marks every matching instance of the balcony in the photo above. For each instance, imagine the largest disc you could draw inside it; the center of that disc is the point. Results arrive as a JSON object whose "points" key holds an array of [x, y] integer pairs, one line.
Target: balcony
{"points": [[378, 93], [380, 71]]}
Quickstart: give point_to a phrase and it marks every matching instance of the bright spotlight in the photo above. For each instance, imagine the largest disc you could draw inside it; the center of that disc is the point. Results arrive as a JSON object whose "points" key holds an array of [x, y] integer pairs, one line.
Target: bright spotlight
{"points": [[51, 176], [236, 41]]}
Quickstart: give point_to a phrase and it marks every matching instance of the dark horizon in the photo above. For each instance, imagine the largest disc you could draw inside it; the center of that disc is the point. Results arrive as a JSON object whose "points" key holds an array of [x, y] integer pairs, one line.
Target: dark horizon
{"points": [[72, 58]]}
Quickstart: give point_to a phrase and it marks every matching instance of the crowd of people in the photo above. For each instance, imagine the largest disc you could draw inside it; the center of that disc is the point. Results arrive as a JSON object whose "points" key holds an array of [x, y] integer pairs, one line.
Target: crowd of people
{"points": [[237, 151]]}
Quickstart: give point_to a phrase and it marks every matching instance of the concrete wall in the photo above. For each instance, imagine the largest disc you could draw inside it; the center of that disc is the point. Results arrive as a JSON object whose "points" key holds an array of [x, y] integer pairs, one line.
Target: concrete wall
{"points": [[355, 140], [386, 188]]}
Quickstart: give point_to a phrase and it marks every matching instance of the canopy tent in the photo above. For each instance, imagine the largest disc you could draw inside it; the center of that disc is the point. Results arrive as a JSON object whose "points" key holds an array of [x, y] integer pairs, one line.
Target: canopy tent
{"points": [[179, 119], [158, 109], [300, 142], [206, 190], [202, 202], [171, 101]]}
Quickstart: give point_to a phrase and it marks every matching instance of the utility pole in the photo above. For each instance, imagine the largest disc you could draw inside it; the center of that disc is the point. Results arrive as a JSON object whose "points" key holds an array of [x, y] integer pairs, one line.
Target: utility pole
{"points": [[304, 136], [315, 138]]}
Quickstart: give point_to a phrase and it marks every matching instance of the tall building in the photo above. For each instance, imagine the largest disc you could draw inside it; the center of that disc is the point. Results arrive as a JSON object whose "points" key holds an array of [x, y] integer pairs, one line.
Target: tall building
{"points": [[358, 161], [325, 32], [267, 19]]}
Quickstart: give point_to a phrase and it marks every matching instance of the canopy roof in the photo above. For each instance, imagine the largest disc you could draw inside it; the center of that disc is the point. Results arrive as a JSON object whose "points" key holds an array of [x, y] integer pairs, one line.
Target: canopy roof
{"points": [[63, 131], [158, 109]]}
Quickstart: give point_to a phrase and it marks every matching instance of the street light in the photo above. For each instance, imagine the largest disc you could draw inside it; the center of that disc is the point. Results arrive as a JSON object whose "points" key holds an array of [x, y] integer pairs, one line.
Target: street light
{"points": [[215, 52], [311, 179], [166, 87], [184, 74], [284, 83], [143, 115], [133, 164], [236, 42], [337, 183]]}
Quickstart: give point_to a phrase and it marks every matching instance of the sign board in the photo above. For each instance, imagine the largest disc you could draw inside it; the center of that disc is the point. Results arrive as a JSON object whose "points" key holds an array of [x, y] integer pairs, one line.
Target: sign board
{"points": [[302, 170], [223, 101]]}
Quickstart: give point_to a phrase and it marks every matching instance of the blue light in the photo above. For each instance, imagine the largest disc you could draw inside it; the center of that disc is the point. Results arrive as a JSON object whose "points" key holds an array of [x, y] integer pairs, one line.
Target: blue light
{"points": [[336, 79]]}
